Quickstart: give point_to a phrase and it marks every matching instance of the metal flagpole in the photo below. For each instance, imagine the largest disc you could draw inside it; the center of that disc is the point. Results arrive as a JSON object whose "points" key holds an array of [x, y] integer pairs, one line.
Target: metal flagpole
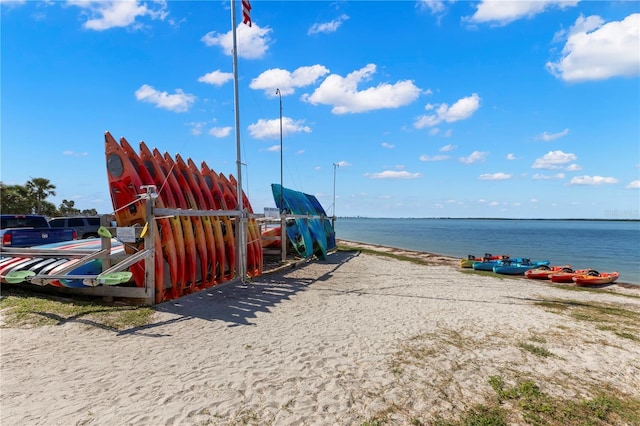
{"points": [[241, 246]]}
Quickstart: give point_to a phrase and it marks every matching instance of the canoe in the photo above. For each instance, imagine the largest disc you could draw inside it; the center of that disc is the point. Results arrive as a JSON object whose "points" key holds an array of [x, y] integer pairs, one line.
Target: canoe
{"points": [[566, 275], [508, 267], [594, 277], [544, 271]]}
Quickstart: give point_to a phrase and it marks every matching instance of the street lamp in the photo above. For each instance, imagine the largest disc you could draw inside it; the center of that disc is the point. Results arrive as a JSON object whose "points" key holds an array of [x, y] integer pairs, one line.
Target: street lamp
{"points": [[335, 166], [281, 179]]}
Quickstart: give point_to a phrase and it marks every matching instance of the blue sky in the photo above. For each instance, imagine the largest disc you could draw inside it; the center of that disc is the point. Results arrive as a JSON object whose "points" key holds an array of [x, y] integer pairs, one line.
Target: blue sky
{"points": [[519, 109]]}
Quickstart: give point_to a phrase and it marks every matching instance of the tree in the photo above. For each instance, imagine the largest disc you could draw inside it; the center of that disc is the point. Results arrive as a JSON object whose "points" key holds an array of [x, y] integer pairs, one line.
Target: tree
{"points": [[15, 199], [67, 208], [41, 188], [48, 209]]}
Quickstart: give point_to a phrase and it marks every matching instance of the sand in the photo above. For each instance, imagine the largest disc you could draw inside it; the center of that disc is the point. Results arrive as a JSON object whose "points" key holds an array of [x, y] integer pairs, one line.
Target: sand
{"points": [[336, 342]]}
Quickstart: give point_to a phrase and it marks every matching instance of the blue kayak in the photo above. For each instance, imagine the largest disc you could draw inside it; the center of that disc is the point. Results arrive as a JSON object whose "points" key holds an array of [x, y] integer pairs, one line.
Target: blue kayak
{"points": [[518, 268]]}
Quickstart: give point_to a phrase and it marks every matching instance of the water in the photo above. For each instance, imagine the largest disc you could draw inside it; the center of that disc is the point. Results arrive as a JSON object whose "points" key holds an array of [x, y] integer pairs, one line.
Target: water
{"points": [[606, 246]]}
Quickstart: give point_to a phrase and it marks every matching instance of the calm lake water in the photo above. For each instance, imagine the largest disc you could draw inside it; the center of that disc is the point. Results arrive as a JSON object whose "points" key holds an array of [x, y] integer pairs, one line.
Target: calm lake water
{"points": [[602, 245]]}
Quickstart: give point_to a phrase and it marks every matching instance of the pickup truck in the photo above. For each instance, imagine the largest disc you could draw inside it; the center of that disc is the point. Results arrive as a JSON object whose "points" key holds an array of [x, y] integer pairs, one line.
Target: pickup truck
{"points": [[31, 230]]}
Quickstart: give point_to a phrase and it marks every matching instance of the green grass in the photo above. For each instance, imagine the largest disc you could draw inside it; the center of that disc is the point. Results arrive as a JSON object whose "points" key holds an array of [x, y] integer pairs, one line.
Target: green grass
{"points": [[384, 254], [605, 316], [539, 408], [22, 308], [525, 403], [536, 350]]}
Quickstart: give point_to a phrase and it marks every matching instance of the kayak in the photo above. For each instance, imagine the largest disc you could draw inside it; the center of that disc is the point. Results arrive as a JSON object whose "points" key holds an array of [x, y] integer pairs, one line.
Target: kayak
{"points": [[544, 271], [566, 275], [594, 277], [471, 259], [488, 265], [518, 268]]}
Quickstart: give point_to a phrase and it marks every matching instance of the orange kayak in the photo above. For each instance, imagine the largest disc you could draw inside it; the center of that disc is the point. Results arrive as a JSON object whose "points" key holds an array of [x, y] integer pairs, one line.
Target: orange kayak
{"points": [[595, 278]]}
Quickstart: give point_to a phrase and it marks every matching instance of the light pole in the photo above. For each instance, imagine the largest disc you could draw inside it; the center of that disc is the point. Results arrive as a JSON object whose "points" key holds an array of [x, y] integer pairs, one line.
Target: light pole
{"points": [[335, 166], [281, 179]]}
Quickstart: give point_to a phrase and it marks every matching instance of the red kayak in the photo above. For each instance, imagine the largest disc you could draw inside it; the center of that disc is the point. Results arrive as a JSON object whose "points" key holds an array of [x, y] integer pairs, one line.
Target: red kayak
{"points": [[471, 259], [543, 272], [270, 241], [566, 275]]}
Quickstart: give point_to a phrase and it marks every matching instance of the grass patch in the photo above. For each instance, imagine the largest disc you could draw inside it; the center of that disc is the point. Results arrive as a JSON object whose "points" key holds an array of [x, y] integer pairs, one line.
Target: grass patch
{"points": [[480, 415], [608, 317], [597, 290], [539, 408], [384, 254], [536, 350], [486, 274], [22, 308]]}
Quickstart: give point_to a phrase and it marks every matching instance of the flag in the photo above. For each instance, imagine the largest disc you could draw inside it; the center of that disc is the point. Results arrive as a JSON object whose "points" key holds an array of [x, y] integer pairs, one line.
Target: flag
{"points": [[246, 12]]}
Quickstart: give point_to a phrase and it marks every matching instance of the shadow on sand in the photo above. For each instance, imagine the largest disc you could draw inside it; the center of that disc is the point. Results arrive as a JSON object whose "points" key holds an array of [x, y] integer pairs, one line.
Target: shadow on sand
{"points": [[237, 303]]}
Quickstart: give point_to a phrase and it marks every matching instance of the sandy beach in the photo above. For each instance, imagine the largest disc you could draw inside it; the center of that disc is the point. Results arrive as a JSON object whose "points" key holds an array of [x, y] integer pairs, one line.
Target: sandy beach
{"points": [[352, 339]]}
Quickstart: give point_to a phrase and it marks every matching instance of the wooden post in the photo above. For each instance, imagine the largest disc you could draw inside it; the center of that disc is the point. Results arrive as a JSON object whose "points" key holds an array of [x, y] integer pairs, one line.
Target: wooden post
{"points": [[149, 244], [105, 242], [283, 238]]}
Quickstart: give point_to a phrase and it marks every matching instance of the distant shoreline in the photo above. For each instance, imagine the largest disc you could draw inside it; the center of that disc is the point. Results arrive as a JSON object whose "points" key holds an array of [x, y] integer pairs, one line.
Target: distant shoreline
{"points": [[442, 259], [488, 218]]}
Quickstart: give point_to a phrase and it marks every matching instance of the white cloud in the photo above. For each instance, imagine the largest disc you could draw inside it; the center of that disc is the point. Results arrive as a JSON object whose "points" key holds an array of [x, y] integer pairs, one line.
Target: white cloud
{"points": [[505, 12], [387, 145], [220, 132], [253, 41], [12, 3], [270, 129], [475, 157], [342, 164], [434, 158], [461, 110], [573, 168], [494, 176], [343, 94], [216, 78], [327, 27], [539, 176], [435, 6], [177, 102], [592, 180], [511, 157], [597, 51], [196, 127], [106, 14], [634, 185], [286, 81], [553, 160], [547, 137], [75, 154], [448, 148], [393, 174]]}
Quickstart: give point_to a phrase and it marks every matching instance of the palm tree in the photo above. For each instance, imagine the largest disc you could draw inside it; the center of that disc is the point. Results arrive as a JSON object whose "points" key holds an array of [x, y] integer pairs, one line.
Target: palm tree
{"points": [[15, 199], [41, 188]]}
